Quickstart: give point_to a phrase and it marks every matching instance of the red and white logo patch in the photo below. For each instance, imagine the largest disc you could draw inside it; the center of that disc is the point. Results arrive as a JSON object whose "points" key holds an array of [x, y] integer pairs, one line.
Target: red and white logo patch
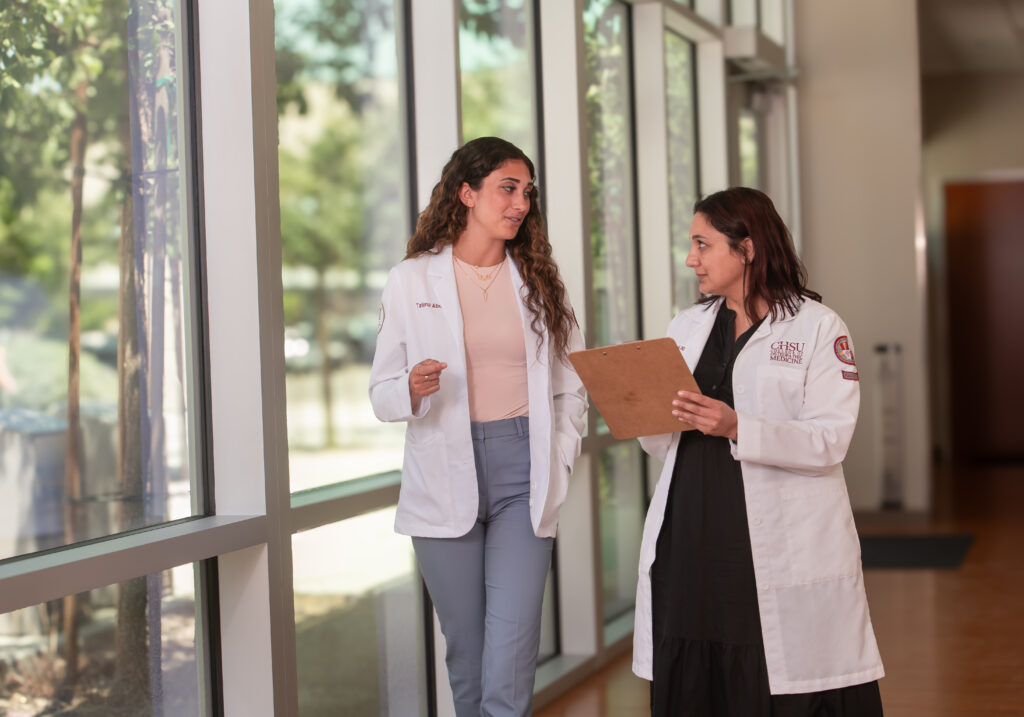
{"points": [[844, 352]]}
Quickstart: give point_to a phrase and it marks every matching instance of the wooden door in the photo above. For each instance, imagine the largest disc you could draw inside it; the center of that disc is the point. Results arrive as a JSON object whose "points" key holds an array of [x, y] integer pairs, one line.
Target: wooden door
{"points": [[985, 277]]}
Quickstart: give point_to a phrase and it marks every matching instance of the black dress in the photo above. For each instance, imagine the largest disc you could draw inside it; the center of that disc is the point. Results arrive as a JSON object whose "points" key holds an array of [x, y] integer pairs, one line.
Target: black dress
{"points": [[708, 651]]}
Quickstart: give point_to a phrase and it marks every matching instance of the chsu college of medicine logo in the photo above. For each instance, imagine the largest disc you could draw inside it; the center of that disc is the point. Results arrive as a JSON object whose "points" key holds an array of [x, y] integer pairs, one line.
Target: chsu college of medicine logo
{"points": [[844, 352], [787, 351]]}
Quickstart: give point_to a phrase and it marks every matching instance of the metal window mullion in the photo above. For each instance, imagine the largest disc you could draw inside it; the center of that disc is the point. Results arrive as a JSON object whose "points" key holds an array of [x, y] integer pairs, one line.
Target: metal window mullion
{"points": [[334, 510], [35, 579], [567, 210], [712, 116], [436, 110], [246, 365], [437, 104]]}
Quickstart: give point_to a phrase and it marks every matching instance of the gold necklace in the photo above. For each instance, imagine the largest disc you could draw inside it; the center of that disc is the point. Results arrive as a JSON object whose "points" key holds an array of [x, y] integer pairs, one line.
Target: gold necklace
{"points": [[478, 277]]}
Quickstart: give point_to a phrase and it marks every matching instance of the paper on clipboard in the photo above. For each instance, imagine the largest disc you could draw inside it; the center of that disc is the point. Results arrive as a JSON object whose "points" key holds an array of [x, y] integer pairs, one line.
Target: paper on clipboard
{"points": [[633, 385]]}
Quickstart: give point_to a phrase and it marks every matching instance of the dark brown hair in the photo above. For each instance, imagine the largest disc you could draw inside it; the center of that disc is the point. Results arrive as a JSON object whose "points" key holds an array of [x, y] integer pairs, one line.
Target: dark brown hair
{"points": [[775, 273], [444, 220]]}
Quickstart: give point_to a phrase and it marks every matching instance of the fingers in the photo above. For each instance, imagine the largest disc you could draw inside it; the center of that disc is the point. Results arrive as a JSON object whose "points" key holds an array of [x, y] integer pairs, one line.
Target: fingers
{"points": [[696, 398], [688, 404], [425, 377], [690, 417], [707, 415]]}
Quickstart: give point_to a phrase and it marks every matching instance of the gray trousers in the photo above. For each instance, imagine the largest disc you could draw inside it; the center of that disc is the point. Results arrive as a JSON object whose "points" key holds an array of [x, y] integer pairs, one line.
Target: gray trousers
{"points": [[487, 585]]}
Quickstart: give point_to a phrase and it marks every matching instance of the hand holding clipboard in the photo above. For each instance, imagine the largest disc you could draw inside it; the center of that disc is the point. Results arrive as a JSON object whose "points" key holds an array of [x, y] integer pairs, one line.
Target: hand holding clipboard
{"points": [[633, 385]]}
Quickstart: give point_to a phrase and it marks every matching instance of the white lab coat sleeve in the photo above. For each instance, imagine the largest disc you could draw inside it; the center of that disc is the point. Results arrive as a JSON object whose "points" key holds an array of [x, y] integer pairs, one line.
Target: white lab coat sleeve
{"points": [[570, 403], [389, 375], [816, 440], [657, 446]]}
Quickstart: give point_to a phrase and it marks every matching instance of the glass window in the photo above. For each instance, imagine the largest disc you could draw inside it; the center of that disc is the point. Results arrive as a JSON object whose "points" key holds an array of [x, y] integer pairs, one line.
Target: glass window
{"points": [[744, 13], [610, 161], [359, 620], [621, 505], [496, 61], [609, 96], [344, 223], [750, 164], [681, 106], [132, 647], [96, 272]]}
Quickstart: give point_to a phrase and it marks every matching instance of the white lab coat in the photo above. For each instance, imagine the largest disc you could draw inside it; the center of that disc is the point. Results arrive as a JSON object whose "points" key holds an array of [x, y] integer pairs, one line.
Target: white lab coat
{"points": [[796, 400], [421, 318]]}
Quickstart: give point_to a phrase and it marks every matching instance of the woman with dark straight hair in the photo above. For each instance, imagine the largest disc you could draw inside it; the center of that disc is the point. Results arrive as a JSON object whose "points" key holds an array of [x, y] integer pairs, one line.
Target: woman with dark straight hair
{"points": [[475, 330], [751, 596]]}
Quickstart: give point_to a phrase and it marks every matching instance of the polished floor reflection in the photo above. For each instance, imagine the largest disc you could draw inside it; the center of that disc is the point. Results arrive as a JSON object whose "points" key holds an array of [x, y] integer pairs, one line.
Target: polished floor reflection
{"points": [[952, 640]]}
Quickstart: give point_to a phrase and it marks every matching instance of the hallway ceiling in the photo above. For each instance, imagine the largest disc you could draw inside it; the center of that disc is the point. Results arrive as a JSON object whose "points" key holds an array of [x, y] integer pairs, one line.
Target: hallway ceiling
{"points": [[971, 36]]}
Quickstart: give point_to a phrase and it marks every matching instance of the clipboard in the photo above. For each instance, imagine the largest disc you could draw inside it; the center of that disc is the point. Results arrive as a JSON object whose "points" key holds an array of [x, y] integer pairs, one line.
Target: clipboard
{"points": [[633, 385]]}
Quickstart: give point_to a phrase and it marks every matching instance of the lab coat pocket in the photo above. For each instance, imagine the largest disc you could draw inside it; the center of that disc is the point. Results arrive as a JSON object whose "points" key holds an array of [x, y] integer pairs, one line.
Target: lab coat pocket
{"points": [[424, 491], [820, 534], [780, 392]]}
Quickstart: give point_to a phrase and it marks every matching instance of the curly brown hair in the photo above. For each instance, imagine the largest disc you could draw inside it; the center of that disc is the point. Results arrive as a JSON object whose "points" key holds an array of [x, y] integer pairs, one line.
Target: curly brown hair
{"points": [[444, 221]]}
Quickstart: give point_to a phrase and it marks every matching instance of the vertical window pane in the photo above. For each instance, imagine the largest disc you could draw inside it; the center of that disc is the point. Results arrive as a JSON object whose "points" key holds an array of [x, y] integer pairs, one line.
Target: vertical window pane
{"points": [[750, 164], [620, 485], [96, 278], [744, 13], [681, 107], [358, 620], [127, 649], [344, 223], [610, 160], [496, 61]]}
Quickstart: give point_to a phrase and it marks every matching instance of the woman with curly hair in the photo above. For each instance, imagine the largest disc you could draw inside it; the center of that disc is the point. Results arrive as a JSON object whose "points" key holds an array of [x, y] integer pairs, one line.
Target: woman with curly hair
{"points": [[475, 330]]}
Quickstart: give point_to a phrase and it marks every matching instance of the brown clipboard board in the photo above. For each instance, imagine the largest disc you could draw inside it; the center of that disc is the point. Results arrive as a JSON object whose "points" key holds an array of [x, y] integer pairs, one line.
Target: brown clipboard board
{"points": [[633, 385]]}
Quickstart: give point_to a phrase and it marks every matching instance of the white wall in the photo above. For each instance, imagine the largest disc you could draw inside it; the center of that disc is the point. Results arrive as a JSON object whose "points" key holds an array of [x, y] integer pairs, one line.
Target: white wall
{"points": [[860, 157], [972, 131]]}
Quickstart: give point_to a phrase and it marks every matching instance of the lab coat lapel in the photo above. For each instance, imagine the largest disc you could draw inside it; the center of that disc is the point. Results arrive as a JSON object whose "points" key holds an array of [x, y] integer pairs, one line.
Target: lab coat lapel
{"points": [[767, 328], [699, 334], [442, 282], [532, 355]]}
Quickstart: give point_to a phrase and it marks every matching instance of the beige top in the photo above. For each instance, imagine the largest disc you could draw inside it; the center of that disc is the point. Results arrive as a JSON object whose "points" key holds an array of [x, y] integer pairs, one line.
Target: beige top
{"points": [[495, 344]]}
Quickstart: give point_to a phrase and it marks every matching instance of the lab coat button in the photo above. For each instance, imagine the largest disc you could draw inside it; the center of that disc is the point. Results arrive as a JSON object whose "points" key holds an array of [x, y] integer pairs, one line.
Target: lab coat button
{"points": [[531, 502], [740, 389], [756, 521]]}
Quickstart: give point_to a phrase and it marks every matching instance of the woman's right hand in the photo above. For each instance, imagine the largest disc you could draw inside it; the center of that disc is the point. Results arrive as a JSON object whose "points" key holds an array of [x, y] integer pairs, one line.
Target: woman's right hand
{"points": [[424, 379]]}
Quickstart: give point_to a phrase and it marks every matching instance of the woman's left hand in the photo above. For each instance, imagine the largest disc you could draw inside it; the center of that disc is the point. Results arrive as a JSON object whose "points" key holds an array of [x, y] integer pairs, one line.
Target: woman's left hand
{"points": [[708, 415]]}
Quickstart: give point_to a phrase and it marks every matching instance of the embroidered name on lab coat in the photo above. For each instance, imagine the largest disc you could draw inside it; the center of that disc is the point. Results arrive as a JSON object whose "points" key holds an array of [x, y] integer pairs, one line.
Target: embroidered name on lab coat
{"points": [[427, 305], [787, 351]]}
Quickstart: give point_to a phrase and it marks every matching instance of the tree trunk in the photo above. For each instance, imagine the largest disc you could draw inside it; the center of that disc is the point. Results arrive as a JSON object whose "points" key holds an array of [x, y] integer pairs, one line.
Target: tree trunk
{"points": [[131, 672], [73, 518], [323, 339]]}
